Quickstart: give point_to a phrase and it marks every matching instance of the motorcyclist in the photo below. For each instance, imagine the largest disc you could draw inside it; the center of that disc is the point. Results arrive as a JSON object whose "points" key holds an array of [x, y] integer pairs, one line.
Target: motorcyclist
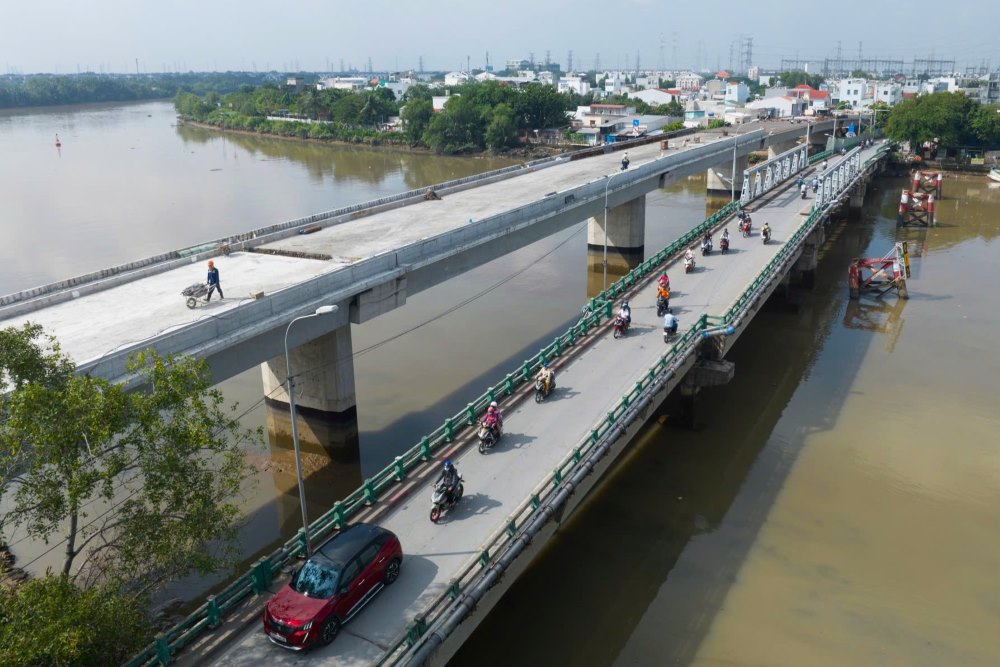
{"points": [[448, 479], [492, 420], [725, 235], [625, 312], [670, 323], [766, 231], [662, 292], [546, 375], [689, 257], [802, 190], [815, 184], [663, 281], [498, 413], [822, 167]]}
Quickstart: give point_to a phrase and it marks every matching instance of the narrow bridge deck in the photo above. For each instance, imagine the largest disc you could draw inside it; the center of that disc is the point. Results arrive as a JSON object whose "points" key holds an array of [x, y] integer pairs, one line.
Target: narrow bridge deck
{"points": [[537, 437]]}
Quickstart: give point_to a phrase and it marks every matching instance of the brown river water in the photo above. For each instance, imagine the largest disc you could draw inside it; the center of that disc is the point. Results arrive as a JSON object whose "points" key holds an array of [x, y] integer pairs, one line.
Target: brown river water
{"points": [[837, 503]]}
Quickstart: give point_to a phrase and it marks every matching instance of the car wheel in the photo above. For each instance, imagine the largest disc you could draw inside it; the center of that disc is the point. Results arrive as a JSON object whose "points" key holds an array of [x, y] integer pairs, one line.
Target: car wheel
{"points": [[391, 572], [330, 631]]}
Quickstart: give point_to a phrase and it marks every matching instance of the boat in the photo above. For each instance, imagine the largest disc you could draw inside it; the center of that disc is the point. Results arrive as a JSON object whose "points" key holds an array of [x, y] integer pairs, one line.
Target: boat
{"points": [[994, 174], [58, 143]]}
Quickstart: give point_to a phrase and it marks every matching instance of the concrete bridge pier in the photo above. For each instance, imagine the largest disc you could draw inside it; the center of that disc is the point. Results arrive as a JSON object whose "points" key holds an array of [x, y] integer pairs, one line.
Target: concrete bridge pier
{"points": [[857, 197], [705, 373], [776, 149], [626, 239], [719, 176], [805, 266]]}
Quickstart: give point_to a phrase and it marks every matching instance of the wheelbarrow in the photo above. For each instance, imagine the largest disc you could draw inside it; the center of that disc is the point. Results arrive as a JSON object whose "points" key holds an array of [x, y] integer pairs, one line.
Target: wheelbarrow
{"points": [[193, 293]]}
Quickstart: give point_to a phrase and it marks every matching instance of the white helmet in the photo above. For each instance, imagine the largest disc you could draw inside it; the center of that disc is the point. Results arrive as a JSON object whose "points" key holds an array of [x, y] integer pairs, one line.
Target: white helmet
{"points": [[493, 404]]}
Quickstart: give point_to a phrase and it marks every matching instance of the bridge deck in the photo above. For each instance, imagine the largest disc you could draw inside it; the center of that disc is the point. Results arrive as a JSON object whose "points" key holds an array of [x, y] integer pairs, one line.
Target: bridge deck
{"points": [[537, 437], [94, 324]]}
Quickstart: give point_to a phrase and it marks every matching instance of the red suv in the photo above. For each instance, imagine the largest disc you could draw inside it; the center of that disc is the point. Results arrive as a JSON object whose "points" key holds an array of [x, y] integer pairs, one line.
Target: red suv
{"points": [[332, 586]]}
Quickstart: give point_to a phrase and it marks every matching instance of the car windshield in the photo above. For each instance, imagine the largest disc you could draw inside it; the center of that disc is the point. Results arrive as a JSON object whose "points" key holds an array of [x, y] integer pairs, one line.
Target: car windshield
{"points": [[316, 579]]}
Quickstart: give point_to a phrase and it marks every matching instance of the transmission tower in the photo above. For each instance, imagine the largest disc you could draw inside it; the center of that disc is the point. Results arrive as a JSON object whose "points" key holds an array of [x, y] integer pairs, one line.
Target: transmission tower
{"points": [[569, 60], [636, 67], [597, 62], [673, 57], [548, 57], [662, 64], [420, 64], [370, 70]]}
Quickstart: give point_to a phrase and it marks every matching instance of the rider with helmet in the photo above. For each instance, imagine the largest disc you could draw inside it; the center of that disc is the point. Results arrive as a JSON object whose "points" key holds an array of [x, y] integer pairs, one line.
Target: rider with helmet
{"points": [[492, 420], [670, 323], [449, 479], [625, 313], [498, 413], [765, 231], [548, 376]]}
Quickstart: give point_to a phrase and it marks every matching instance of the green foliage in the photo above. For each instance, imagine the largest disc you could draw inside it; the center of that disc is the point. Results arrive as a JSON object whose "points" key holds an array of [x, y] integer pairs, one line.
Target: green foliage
{"points": [[798, 77], [142, 486], [416, 117], [50, 621], [716, 123], [460, 127], [945, 117], [51, 89], [501, 131], [985, 124]]}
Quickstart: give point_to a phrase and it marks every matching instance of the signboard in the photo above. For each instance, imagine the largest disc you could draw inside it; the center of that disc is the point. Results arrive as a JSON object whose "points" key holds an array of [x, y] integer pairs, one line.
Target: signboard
{"points": [[635, 122]]}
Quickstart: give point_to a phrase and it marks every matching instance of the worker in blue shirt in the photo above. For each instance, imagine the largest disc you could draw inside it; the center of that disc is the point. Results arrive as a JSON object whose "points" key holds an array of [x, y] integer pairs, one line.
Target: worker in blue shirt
{"points": [[213, 281]]}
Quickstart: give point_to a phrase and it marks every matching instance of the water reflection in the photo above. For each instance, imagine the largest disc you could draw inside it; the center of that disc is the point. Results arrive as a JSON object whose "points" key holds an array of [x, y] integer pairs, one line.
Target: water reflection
{"points": [[345, 162]]}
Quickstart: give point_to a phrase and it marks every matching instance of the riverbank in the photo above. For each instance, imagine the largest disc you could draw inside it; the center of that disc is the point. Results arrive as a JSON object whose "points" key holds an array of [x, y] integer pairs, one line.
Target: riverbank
{"points": [[10, 575], [519, 153]]}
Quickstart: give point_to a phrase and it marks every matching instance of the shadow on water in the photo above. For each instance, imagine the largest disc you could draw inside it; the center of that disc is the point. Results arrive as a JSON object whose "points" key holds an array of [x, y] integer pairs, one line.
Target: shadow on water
{"points": [[637, 576]]}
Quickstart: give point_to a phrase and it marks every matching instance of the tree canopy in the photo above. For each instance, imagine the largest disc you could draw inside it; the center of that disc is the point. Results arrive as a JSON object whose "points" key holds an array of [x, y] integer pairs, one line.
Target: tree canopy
{"points": [[799, 77], [143, 487], [952, 119]]}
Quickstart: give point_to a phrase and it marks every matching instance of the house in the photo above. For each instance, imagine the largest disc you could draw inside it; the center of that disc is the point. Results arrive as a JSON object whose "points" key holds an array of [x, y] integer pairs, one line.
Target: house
{"points": [[785, 106], [813, 100], [737, 92], [455, 78], [888, 92], [656, 96], [437, 102], [597, 122], [855, 92], [689, 81], [574, 84], [342, 83]]}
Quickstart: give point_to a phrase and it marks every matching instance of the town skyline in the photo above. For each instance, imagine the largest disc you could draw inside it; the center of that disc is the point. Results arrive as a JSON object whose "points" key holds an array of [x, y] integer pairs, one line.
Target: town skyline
{"points": [[113, 37]]}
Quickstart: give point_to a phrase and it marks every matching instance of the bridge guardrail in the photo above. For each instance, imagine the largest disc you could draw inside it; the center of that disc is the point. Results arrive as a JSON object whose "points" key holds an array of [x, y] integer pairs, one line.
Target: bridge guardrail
{"points": [[261, 574]]}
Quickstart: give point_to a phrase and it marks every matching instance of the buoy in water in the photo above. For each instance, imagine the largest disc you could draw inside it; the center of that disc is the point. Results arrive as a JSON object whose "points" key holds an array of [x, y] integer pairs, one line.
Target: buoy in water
{"points": [[58, 143]]}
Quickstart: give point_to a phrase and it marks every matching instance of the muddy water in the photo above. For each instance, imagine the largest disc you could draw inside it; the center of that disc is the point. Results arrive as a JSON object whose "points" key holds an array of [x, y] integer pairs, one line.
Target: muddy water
{"points": [[837, 504]]}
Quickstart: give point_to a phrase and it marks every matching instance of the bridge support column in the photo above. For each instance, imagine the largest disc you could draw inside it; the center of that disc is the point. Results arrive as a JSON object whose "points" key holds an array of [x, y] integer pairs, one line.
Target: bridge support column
{"points": [[775, 150], [857, 199], [718, 177], [626, 239], [705, 373], [805, 266], [324, 396]]}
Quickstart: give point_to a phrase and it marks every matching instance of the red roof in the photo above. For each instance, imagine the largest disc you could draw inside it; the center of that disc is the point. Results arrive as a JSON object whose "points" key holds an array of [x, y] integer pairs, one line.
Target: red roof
{"points": [[803, 86], [819, 94]]}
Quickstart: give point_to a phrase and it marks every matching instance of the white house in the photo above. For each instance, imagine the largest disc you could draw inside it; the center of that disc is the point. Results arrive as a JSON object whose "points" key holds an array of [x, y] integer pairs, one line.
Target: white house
{"points": [[888, 92], [574, 84], [437, 102], [854, 91], [737, 92], [342, 83], [689, 81], [656, 96], [779, 107], [455, 78]]}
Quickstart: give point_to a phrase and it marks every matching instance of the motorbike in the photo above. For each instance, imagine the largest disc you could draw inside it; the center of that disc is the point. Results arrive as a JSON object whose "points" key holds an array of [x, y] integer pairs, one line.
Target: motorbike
{"points": [[620, 325], [668, 335], [803, 191], [706, 249], [745, 228], [487, 437], [765, 234], [724, 246], [441, 503], [662, 303], [540, 393], [689, 265]]}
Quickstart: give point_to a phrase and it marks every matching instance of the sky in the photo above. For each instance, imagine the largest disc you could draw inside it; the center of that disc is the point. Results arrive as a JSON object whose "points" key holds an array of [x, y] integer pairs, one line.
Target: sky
{"points": [[314, 35]]}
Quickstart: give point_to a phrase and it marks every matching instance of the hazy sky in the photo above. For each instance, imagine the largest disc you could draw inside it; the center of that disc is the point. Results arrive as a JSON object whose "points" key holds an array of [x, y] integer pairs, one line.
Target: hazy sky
{"points": [[108, 35]]}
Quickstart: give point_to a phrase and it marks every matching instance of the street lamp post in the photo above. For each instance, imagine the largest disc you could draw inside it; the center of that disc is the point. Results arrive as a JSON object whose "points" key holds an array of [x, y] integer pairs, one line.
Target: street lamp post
{"points": [[732, 178], [606, 185], [290, 387]]}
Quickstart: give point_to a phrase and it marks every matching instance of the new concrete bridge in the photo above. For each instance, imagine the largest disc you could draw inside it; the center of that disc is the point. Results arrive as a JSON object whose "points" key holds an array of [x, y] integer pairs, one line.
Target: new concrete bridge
{"points": [[366, 260]]}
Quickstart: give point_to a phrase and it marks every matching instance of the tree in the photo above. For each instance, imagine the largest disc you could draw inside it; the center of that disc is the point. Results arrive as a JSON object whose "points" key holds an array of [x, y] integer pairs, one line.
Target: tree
{"points": [[941, 117], [50, 621], [674, 108], [143, 486], [985, 124], [798, 77], [502, 130], [539, 106], [458, 128], [416, 116]]}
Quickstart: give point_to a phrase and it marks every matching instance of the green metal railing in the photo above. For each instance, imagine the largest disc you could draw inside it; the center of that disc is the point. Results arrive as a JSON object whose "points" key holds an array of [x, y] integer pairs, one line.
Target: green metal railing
{"points": [[262, 573]]}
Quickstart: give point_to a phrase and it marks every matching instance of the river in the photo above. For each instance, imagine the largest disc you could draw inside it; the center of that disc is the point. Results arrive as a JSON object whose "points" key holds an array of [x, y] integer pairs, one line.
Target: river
{"points": [[836, 504]]}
